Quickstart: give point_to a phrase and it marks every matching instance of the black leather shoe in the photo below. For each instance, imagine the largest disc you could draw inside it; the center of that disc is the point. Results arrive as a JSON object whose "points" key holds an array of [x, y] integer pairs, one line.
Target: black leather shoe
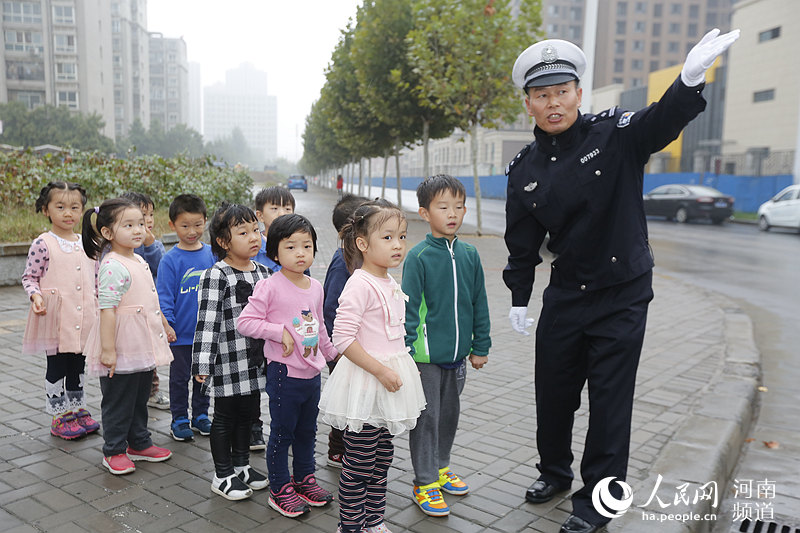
{"points": [[576, 524], [541, 491]]}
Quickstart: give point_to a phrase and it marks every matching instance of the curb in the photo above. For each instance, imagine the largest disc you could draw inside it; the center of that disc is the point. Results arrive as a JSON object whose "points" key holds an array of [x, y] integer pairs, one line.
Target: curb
{"points": [[708, 444]]}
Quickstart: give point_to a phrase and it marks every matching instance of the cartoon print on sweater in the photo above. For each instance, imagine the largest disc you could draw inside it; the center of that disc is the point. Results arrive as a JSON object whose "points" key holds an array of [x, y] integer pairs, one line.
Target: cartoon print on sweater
{"points": [[308, 328]]}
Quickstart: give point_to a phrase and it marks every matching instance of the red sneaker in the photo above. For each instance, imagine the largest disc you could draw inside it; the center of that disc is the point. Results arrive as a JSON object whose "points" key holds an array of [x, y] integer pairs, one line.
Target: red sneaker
{"points": [[119, 464], [86, 421], [154, 454]]}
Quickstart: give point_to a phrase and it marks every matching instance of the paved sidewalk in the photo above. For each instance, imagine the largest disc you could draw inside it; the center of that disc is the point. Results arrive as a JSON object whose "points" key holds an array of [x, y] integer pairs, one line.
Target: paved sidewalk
{"points": [[694, 397]]}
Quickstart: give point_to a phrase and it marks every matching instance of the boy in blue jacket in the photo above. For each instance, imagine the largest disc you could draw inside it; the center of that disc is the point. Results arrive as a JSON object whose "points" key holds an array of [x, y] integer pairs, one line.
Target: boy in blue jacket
{"points": [[177, 285], [447, 321]]}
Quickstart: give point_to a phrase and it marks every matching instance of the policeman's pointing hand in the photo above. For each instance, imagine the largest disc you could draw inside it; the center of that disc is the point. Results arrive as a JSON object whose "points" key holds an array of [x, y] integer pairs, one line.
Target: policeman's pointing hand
{"points": [[518, 321], [703, 54]]}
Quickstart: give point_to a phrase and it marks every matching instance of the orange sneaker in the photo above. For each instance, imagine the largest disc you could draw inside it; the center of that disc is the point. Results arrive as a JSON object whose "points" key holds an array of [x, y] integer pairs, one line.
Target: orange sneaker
{"points": [[451, 483], [430, 500]]}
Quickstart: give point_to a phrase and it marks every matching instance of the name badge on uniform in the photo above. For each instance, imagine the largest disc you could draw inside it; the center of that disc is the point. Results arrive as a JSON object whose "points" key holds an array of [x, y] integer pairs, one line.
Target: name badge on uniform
{"points": [[531, 186]]}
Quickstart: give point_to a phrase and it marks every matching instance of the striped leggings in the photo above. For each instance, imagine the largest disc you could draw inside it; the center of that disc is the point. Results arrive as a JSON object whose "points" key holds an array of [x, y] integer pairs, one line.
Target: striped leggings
{"points": [[362, 484]]}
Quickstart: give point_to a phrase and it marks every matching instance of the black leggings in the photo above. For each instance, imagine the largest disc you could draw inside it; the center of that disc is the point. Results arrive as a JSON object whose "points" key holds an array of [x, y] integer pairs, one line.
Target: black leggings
{"points": [[230, 432], [64, 382]]}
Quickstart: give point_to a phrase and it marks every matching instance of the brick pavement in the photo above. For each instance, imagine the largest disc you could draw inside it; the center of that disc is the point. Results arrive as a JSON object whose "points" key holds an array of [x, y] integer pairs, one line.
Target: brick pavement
{"points": [[692, 409]]}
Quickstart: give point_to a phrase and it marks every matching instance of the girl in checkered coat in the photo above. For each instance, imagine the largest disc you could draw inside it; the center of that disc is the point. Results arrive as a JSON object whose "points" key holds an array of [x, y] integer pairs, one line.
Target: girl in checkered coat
{"points": [[230, 364]]}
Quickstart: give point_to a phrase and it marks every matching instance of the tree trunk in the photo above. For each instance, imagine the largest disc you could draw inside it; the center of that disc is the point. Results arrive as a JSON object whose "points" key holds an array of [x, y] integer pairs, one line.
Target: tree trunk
{"points": [[369, 177], [360, 176], [426, 132], [385, 165], [474, 145], [399, 183]]}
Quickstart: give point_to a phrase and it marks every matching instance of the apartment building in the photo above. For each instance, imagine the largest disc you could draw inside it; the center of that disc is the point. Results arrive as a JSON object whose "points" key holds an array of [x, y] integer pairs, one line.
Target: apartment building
{"points": [[130, 43], [169, 81]]}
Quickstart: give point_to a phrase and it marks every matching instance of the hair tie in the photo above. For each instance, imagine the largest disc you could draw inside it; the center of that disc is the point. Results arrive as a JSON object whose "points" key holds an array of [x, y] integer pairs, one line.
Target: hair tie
{"points": [[97, 210]]}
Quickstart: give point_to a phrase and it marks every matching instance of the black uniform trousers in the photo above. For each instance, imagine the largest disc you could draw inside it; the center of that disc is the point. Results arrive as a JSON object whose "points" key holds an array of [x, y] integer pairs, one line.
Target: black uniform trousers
{"points": [[596, 337]]}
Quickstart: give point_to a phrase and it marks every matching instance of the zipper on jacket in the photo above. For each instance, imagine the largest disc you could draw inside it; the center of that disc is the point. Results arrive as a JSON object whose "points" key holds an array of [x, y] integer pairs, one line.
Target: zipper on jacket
{"points": [[450, 246]]}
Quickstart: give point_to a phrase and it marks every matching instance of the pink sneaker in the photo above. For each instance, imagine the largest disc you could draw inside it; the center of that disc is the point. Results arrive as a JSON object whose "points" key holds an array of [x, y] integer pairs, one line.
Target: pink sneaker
{"points": [[119, 464], [154, 454], [86, 421], [66, 426]]}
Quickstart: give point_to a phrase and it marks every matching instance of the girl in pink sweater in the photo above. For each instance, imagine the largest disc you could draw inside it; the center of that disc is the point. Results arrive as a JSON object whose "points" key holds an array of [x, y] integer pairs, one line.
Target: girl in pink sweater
{"points": [[59, 280], [286, 311], [375, 390]]}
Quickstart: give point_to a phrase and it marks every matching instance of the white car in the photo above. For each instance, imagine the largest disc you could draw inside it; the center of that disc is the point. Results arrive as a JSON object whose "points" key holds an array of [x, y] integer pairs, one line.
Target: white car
{"points": [[783, 210]]}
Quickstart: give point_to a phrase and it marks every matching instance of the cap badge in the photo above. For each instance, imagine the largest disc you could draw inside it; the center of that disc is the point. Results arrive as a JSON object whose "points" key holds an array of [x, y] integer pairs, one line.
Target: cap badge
{"points": [[531, 186], [549, 54]]}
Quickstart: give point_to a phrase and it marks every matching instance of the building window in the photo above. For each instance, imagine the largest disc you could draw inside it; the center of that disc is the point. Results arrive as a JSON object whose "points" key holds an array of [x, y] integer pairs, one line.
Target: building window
{"points": [[552, 10], [119, 111], [620, 27], [66, 71], [619, 47], [641, 7], [764, 96], [622, 9], [636, 82], [63, 15], [619, 65], [22, 12], [68, 98], [552, 29], [691, 29], [674, 28], [64, 44], [658, 10], [639, 26], [575, 33], [116, 26], [637, 64], [31, 99], [676, 9], [656, 29], [653, 65], [118, 77], [638, 46], [711, 19], [770, 34], [655, 48], [24, 41], [576, 13], [117, 60], [673, 47], [694, 11], [617, 80], [24, 70]]}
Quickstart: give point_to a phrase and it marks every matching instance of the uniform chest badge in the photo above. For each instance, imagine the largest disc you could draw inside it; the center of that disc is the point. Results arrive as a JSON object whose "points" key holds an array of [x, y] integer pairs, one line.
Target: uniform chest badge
{"points": [[531, 186]]}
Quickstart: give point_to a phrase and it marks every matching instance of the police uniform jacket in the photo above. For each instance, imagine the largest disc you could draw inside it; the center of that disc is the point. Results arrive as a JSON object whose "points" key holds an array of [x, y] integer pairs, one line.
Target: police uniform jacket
{"points": [[584, 188]]}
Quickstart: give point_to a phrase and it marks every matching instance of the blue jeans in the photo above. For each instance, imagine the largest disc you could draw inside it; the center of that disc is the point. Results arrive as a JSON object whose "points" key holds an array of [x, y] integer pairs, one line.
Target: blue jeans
{"points": [[180, 373], [293, 408]]}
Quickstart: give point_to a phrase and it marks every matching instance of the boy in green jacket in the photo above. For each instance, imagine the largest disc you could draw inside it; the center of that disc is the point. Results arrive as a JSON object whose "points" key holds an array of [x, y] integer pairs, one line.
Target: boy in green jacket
{"points": [[447, 320]]}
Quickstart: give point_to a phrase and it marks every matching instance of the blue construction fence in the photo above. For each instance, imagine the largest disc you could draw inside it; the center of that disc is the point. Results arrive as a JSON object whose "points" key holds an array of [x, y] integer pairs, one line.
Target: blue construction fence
{"points": [[749, 191]]}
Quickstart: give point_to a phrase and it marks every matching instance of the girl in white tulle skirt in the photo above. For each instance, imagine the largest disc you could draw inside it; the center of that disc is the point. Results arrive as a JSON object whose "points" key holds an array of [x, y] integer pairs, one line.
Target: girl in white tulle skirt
{"points": [[375, 391]]}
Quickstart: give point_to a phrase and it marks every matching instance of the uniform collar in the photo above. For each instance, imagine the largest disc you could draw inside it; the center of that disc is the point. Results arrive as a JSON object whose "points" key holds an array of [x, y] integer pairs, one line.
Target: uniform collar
{"points": [[553, 144]]}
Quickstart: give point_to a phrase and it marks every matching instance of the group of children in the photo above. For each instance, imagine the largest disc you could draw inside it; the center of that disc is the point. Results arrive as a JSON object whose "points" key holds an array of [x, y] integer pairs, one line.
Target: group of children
{"points": [[242, 315]]}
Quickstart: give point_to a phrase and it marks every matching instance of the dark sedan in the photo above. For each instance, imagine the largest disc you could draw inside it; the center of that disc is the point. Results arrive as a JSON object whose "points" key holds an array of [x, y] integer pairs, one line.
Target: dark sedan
{"points": [[686, 202]]}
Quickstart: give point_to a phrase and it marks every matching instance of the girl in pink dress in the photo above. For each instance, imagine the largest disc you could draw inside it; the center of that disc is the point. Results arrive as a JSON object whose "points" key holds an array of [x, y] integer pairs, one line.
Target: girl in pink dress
{"points": [[375, 390], [130, 339], [59, 280]]}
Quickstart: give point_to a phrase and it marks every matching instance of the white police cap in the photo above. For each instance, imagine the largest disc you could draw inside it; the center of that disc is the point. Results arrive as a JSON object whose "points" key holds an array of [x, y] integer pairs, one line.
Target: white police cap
{"points": [[548, 62]]}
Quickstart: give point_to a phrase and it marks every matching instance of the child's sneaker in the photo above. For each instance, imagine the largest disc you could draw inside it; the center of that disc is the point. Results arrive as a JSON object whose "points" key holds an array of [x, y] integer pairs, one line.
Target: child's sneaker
{"points": [[430, 500], [311, 492], [180, 430], [202, 425], [451, 483], [159, 400], [119, 464], [252, 478], [257, 440], [380, 528], [335, 460], [153, 454], [86, 421], [66, 426], [287, 502], [231, 487]]}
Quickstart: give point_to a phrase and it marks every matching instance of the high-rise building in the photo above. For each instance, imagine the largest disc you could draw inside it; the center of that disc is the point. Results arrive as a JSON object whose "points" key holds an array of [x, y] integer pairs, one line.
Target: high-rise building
{"points": [[130, 43], [242, 101], [169, 81], [195, 97], [58, 52]]}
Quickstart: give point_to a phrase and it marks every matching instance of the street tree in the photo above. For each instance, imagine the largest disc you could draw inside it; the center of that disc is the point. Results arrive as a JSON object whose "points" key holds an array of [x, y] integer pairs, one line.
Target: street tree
{"points": [[48, 124], [463, 52]]}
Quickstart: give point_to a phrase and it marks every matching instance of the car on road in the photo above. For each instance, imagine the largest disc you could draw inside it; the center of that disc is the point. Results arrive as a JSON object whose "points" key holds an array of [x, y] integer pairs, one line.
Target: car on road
{"points": [[782, 210], [296, 181], [688, 202]]}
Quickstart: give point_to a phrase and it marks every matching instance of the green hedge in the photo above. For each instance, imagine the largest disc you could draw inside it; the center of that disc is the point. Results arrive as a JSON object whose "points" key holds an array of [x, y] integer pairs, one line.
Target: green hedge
{"points": [[24, 175]]}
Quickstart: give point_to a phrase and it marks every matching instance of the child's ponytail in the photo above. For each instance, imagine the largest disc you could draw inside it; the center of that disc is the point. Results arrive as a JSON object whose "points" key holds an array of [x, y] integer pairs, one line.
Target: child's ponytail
{"points": [[360, 224], [107, 213]]}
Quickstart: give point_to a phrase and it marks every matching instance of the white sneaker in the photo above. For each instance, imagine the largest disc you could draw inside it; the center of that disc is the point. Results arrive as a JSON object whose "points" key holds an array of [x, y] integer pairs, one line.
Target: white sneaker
{"points": [[380, 528], [231, 487], [252, 478], [159, 400]]}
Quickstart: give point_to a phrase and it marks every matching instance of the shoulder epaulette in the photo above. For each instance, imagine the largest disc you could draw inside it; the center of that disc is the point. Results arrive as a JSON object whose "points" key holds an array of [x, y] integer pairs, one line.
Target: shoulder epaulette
{"points": [[605, 115], [518, 158]]}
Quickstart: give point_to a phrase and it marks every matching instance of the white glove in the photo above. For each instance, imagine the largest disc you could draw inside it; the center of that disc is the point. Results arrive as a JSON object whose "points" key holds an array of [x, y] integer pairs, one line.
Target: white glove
{"points": [[518, 321], [703, 54]]}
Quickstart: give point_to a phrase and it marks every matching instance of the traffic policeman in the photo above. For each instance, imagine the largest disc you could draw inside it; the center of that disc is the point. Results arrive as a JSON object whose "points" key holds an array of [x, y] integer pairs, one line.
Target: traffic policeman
{"points": [[580, 181]]}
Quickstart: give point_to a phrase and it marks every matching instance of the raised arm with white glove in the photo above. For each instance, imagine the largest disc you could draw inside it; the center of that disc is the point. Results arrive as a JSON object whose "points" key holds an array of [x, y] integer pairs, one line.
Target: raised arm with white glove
{"points": [[703, 54], [518, 321]]}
